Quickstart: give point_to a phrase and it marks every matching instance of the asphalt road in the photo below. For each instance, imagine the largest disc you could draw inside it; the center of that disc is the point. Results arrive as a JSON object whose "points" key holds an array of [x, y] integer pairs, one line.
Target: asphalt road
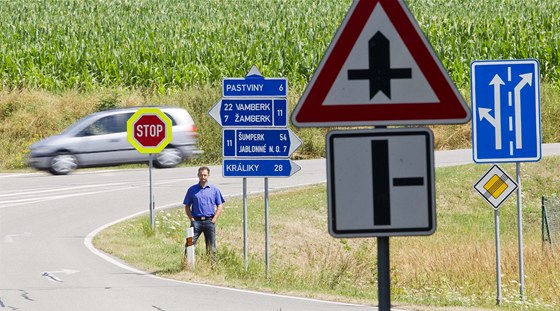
{"points": [[47, 222]]}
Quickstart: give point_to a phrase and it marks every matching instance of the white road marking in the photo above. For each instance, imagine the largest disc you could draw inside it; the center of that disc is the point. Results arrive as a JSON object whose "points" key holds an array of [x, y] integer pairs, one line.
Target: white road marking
{"points": [[88, 242], [10, 237], [37, 195]]}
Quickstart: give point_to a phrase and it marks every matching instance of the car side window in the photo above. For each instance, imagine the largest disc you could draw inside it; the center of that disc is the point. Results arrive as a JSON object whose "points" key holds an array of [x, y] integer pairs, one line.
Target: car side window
{"points": [[108, 125], [173, 122], [119, 122]]}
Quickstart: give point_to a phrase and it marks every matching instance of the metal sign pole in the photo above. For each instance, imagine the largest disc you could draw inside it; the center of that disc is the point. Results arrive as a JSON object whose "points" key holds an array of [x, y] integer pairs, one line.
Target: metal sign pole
{"points": [[383, 267], [267, 254], [496, 186], [520, 232], [245, 238], [498, 268], [383, 273], [151, 194]]}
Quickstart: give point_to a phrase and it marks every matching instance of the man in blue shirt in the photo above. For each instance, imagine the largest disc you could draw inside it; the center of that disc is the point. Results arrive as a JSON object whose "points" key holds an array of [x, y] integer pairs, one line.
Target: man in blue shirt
{"points": [[203, 205]]}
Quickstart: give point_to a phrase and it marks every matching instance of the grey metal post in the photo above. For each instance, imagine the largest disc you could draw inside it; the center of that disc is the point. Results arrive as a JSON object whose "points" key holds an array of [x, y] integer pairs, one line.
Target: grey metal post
{"points": [[498, 268], [267, 255], [543, 219], [520, 232], [245, 225], [383, 270], [151, 194], [383, 274], [546, 227]]}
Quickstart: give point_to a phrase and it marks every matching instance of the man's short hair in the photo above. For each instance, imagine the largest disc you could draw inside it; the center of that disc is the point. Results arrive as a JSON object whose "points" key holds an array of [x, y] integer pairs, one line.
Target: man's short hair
{"points": [[204, 168]]}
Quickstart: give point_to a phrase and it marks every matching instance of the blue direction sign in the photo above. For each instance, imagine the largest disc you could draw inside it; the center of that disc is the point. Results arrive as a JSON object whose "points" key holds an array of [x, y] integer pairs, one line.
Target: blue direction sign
{"points": [[259, 168], [255, 112], [259, 142], [255, 86], [505, 97]]}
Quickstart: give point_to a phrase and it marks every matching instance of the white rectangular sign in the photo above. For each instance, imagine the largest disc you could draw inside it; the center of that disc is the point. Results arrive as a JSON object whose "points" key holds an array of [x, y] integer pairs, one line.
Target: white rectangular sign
{"points": [[381, 182]]}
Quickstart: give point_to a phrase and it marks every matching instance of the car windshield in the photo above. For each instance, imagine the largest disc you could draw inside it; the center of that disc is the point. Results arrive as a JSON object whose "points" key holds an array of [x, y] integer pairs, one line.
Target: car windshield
{"points": [[75, 124], [106, 125]]}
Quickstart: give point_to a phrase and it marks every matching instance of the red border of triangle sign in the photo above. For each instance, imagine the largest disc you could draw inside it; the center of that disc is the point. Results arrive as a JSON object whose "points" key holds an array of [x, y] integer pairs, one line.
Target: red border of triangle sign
{"points": [[380, 47]]}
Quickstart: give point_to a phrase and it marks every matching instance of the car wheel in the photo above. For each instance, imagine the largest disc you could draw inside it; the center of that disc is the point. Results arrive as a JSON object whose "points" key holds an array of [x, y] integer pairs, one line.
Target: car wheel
{"points": [[63, 163], [169, 157]]}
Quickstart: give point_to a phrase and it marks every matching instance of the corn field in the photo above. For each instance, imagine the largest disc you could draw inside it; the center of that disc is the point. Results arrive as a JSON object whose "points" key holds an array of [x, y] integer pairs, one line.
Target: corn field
{"points": [[172, 44]]}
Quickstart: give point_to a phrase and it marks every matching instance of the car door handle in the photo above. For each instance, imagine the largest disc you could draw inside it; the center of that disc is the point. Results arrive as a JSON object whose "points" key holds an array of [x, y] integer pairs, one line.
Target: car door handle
{"points": [[116, 140]]}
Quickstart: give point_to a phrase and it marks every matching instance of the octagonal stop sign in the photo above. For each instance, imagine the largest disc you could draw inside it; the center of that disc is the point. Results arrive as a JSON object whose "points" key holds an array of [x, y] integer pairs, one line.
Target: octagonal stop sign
{"points": [[149, 130]]}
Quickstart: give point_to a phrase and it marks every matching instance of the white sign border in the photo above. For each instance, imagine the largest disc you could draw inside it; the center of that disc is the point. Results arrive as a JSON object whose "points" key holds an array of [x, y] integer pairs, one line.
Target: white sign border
{"points": [[430, 168]]}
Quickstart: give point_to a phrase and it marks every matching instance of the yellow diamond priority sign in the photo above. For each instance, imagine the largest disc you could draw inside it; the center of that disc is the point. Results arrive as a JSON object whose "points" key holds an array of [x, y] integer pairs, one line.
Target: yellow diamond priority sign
{"points": [[149, 130], [495, 186]]}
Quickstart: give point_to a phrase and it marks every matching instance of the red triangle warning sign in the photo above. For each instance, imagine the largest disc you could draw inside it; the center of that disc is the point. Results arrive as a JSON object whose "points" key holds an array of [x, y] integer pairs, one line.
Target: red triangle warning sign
{"points": [[380, 70]]}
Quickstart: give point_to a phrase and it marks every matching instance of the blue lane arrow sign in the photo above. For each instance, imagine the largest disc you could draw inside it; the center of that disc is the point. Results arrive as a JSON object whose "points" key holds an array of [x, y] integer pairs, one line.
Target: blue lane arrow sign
{"points": [[259, 168], [506, 110], [259, 142], [239, 112]]}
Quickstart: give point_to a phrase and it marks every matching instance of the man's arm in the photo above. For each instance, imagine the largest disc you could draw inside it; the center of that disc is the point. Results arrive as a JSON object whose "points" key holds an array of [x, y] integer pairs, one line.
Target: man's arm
{"points": [[188, 212], [218, 213]]}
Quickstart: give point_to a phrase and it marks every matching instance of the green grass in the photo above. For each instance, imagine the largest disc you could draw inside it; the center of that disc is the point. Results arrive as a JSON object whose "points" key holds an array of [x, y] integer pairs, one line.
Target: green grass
{"points": [[76, 57], [158, 45], [171, 44], [455, 267], [27, 116], [463, 31]]}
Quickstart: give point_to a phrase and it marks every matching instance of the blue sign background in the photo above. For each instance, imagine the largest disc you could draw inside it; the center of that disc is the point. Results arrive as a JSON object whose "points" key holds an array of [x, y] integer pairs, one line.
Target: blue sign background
{"points": [[257, 168], [255, 87], [518, 137], [256, 142], [265, 112]]}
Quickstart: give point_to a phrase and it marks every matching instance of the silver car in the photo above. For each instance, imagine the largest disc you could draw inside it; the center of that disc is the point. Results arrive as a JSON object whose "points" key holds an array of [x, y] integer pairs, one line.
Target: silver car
{"points": [[100, 139]]}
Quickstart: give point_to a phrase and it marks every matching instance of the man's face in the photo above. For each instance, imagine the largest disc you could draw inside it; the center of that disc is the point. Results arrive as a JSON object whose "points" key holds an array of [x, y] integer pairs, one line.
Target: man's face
{"points": [[203, 176]]}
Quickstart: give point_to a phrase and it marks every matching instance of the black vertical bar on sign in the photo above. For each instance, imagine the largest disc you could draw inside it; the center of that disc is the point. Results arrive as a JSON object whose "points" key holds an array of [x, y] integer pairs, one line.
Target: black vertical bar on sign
{"points": [[380, 167]]}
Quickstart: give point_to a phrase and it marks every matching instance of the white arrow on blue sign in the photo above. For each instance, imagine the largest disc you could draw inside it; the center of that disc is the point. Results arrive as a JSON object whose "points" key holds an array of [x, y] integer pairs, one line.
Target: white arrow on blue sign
{"points": [[259, 168], [263, 142], [505, 97], [256, 112]]}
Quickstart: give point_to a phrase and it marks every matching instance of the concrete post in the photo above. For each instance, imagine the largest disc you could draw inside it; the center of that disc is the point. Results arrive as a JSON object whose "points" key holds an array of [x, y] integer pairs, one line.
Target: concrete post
{"points": [[189, 249]]}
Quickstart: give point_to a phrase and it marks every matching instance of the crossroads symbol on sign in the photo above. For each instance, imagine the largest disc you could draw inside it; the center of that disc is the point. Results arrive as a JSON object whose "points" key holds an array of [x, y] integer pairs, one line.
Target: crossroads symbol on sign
{"points": [[379, 72]]}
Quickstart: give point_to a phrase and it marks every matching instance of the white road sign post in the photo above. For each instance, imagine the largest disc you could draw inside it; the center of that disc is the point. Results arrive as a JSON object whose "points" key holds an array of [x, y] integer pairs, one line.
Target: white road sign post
{"points": [[380, 70], [495, 186], [149, 130], [256, 139], [506, 121], [380, 184]]}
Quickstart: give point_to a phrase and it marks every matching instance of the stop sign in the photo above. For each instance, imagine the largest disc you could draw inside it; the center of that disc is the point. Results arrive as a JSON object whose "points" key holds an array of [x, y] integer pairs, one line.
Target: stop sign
{"points": [[149, 130]]}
